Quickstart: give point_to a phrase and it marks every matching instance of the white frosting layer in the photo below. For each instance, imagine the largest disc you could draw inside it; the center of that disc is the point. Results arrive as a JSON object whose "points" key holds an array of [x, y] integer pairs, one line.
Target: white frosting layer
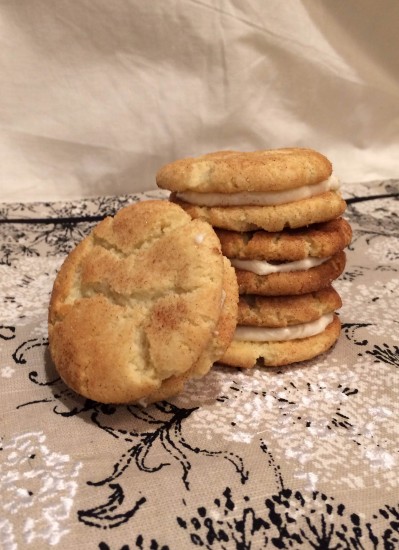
{"points": [[259, 198], [262, 334], [261, 267]]}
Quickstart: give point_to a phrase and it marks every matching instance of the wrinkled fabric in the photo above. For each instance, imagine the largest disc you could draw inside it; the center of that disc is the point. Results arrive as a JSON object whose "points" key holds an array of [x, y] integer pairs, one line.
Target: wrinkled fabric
{"points": [[96, 96]]}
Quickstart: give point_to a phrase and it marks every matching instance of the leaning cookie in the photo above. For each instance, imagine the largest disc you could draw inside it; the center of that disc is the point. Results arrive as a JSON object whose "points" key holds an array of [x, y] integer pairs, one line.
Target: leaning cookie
{"points": [[284, 330], [270, 190], [142, 304]]}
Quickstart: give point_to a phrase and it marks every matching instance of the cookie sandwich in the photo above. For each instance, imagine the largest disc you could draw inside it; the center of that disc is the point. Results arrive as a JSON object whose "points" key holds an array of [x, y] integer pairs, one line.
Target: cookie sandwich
{"points": [[270, 190], [145, 302], [277, 214], [274, 331], [288, 262]]}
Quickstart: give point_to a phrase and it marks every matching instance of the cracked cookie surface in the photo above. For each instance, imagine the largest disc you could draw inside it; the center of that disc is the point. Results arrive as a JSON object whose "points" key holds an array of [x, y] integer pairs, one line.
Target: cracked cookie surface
{"points": [[292, 283], [136, 307], [283, 311], [292, 215], [316, 241], [234, 171]]}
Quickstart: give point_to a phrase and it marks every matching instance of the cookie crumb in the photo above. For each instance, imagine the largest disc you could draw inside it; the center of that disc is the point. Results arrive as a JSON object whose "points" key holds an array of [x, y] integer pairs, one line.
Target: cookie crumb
{"points": [[199, 238]]}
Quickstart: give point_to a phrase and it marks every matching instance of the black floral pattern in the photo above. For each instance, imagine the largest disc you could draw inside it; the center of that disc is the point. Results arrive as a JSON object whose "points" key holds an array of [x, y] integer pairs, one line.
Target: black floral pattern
{"points": [[288, 519], [139, 544], [227, 465], [386, 354], [24, 231]]}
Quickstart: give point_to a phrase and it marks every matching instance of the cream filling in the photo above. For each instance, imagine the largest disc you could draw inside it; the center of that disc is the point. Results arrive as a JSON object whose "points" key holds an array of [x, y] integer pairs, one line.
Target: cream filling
{"points": [[259, 198], [261, 267], [262, 334]]}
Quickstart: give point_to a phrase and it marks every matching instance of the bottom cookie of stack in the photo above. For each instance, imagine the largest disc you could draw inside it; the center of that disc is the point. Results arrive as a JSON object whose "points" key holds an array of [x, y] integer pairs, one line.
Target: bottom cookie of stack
{"points": [[275, 331]]}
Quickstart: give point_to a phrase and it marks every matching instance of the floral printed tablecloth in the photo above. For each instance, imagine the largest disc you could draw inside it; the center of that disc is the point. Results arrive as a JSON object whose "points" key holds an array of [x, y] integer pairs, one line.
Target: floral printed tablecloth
{"points": [[298, 457]]}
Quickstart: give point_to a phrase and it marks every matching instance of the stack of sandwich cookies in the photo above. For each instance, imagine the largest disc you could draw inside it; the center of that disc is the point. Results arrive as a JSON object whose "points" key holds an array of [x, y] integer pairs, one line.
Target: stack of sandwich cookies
{"points": [[277, 215], [144, 303]]}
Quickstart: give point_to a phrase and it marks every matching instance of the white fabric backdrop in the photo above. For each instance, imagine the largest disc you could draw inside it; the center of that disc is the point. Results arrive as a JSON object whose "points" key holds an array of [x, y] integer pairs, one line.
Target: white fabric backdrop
{"points": [[96, 95]]}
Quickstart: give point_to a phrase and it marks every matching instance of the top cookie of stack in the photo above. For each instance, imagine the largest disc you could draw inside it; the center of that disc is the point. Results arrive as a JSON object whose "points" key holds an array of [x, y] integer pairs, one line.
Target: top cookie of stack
{"points": [[270, 190], [277, 214]]}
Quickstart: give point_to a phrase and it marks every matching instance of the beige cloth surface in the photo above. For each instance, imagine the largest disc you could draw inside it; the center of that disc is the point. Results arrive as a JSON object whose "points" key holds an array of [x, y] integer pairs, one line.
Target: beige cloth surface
{"points": [[96, 96], [300, 457]]}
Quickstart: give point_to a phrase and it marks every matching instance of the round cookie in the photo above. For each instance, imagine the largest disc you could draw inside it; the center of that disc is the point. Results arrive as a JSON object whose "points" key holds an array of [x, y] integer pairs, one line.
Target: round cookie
{"points": [[143, 303], [283, 311], [246, 354], [292, 283], [300, 213], [235, 171], [318, 241], [246, 191]]}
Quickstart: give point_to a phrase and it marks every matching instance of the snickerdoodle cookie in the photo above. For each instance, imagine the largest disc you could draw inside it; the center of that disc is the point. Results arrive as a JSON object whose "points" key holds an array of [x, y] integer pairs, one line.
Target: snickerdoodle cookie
{"points": [[285, 311], [275, 331], [245, 191], [287, 262], [275, 353], [143, 303]]}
